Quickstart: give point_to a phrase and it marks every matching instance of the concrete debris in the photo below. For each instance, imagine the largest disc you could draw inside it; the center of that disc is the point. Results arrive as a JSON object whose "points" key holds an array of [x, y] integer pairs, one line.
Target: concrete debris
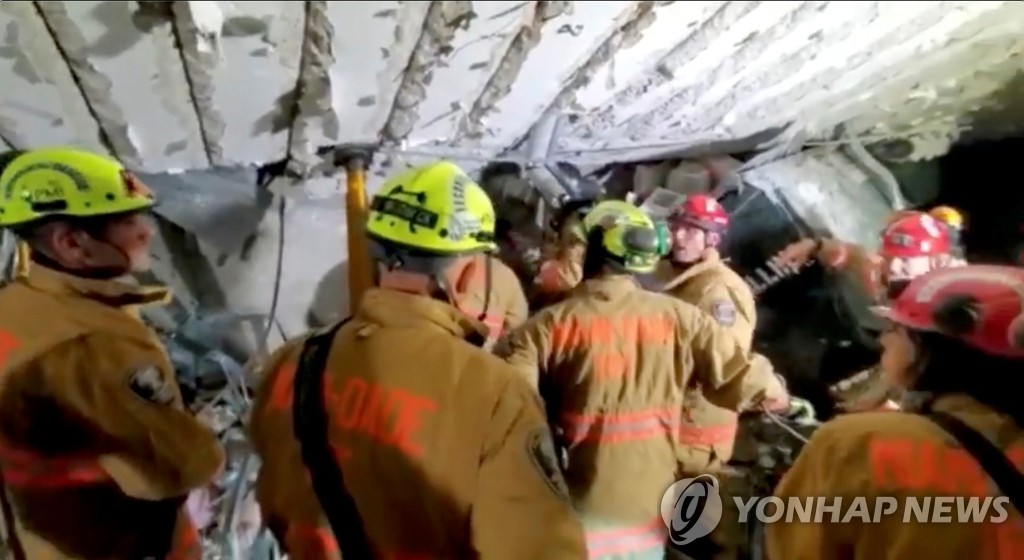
{"points": [[172, 86], [500, 83], [716, 175], [746, 54], [710, 29], [628, 34], [9, 136], [200, 61], [209, 24], [443, 20], [314, 101], [41, 61], [95, 87], [779, 105]]}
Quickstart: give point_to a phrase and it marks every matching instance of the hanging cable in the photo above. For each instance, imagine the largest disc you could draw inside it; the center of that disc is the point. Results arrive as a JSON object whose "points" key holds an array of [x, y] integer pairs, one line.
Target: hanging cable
{"points": [[278, 275]]}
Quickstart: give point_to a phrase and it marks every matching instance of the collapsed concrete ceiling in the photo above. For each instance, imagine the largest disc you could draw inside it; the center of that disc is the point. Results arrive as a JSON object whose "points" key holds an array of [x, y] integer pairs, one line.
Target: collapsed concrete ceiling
{"points": [[170, 86]]}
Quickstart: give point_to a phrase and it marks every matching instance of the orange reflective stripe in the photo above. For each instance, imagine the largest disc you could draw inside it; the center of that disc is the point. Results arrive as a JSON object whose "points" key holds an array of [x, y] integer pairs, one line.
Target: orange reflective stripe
{"points": [[26, 469], [186, 545], [311, 542], [633, 426], [624, 540]]}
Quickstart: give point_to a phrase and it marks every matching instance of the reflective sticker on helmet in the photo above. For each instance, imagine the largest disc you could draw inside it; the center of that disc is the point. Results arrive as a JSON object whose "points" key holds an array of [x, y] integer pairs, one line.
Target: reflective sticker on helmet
{"points": [[724, 312], [74, 175], [930, 225], [462, 222], [936, 284], [901, 240]]}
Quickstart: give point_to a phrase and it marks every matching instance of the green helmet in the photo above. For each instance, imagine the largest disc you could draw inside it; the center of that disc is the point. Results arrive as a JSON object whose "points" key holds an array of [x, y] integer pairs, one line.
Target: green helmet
{"points": [[629, 236], [67, 182]]}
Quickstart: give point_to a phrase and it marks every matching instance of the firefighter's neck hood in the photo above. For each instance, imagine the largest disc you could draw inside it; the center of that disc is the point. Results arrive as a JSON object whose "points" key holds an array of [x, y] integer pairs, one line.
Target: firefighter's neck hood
{"points": [[391, 308], [110, 292], [611, 286]]}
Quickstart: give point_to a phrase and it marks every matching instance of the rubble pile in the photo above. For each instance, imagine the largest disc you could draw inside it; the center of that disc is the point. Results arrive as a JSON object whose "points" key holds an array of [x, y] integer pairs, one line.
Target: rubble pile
{"points": [[217, 389], [766, 447]]}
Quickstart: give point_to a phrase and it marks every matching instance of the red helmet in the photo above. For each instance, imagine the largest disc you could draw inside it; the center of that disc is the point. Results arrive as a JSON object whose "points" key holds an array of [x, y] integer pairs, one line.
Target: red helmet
{"points": [[702, 211], [915, 235], [981, 305]]}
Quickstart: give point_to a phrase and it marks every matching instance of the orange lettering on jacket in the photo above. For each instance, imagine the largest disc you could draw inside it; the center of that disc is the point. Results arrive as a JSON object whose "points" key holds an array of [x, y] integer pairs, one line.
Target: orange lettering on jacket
{"points": [[388, 415], [577, 332], [934, 467], [930, 466], [1007, 540], [7, 345], [283, 389]]}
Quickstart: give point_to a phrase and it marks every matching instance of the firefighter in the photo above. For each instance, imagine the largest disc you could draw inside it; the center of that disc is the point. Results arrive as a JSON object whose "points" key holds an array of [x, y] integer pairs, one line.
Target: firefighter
{"points": [[695, 273], [494, 296], [913, 243], [562, 270], [97, 451], [613, 362], [943, 322], [954, 221], [445, 451]]}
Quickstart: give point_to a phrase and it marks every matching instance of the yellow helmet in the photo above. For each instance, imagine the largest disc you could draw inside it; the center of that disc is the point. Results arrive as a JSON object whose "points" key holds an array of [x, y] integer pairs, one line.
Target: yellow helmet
{"points": [[948, 215], [67, 182], [629, 235], [435, 208]]}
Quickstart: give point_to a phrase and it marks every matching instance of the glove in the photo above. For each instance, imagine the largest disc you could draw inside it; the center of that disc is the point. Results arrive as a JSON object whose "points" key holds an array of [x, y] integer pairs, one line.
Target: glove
{"points": [[800, 411]]}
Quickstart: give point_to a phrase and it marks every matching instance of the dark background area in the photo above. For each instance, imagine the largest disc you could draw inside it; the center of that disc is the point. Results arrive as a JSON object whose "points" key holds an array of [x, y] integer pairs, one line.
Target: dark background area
{"points": [[800, 326], [985, 182]]}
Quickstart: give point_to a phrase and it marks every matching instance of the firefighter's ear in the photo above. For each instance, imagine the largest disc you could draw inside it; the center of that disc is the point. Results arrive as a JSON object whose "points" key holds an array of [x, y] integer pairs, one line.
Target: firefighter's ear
{"points": [[1017, 332], [464, 272], [958, 315]]}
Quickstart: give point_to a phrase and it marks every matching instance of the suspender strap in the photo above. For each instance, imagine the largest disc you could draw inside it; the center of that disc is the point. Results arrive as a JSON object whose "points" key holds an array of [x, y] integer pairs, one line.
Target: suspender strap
{"points": [[998, 466], [311, 423]]}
